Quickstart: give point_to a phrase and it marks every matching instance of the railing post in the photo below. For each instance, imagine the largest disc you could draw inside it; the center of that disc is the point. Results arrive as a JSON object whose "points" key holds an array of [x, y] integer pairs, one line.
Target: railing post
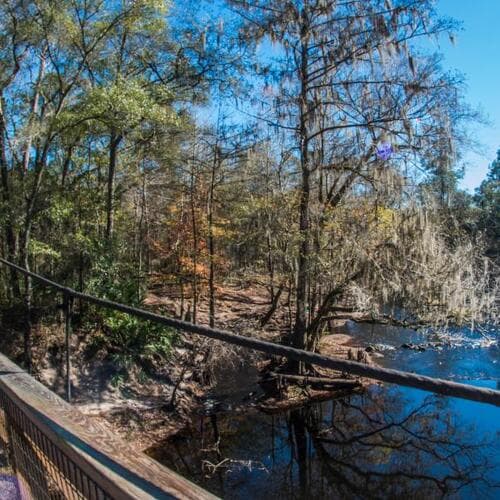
{"points": [[68, 309], [28, 327]]}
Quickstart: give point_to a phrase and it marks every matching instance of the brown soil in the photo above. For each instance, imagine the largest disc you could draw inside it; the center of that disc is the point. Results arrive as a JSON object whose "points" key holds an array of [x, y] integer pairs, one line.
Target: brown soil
{"points": [[239, 308]]}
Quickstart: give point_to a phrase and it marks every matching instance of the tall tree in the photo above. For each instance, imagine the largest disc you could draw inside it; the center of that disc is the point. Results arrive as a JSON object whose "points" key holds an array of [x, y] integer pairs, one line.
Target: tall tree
{"points": [[343, 81], [53, 56]]}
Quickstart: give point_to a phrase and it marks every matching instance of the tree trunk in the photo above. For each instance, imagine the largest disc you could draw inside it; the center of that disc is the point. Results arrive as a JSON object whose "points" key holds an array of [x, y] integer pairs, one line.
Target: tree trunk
{"points": [[318, 382], [211, 243], [66, 164], [114, 142], [300, 326], [299, 333], [10, 236], [28, 300], [270, 265], [195, 247], [33, 114], [40, 163]]}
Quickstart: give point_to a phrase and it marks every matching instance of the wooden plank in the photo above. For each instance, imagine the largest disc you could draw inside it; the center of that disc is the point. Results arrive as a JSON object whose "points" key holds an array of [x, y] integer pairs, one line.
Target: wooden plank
{"points": [[118, 469]]}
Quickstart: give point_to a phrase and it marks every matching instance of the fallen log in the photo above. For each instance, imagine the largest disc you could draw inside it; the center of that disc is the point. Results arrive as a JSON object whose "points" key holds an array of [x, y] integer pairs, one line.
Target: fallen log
{"points": [[318, 381]]}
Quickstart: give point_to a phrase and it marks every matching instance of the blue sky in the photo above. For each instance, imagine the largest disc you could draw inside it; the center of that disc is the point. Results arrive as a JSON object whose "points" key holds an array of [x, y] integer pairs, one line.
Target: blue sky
{"points": [[476, 53]]}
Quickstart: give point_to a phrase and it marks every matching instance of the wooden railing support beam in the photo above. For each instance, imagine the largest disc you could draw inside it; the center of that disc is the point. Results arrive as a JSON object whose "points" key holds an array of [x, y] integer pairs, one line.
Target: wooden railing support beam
{"points": [[68, 311]]}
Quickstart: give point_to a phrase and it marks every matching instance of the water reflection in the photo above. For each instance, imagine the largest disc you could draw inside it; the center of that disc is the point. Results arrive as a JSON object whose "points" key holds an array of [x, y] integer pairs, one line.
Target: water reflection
{"points": [[378, 445]]}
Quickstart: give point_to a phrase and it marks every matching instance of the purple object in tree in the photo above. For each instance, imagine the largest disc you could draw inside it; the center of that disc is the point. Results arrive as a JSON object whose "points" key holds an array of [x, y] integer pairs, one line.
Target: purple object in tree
{"points": [[384, 151]]}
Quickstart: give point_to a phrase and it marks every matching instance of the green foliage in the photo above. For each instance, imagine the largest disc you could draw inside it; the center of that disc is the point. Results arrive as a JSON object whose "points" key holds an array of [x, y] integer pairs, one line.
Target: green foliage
{"points": [[131, 343], [39, 248], [114, 279], [72, 75], [116, 187], [123, 105], [488, 200]]}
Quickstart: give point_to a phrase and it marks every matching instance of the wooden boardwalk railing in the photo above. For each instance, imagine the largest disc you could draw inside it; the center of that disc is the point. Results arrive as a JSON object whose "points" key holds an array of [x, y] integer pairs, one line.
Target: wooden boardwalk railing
{"points": [[59, 453]]}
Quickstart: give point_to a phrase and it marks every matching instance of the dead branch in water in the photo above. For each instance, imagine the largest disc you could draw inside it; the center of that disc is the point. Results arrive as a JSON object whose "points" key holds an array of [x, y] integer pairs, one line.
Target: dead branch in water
{"points": [[229, 465]]}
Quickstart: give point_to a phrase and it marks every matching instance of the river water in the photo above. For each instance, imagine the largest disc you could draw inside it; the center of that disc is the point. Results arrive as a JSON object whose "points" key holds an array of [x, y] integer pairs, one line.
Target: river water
{"points": [[385, 443]]}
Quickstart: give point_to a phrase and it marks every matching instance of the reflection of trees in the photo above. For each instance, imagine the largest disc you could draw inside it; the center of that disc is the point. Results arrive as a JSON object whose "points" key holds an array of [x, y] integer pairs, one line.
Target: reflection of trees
{"points": [[363, 450], [373, 446]]}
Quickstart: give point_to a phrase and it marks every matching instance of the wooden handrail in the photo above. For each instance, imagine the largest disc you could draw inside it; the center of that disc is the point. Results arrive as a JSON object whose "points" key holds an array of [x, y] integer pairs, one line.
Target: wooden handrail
{"points": [[118, 469]]}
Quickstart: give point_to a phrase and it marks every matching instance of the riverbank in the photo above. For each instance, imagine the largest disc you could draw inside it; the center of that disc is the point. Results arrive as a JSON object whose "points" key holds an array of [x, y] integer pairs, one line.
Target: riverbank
{"points": [[146, 410], [142, 415]]}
